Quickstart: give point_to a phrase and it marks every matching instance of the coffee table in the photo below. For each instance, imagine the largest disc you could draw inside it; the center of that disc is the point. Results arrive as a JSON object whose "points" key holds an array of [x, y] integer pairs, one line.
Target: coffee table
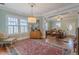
{"points": [[6, 41]]}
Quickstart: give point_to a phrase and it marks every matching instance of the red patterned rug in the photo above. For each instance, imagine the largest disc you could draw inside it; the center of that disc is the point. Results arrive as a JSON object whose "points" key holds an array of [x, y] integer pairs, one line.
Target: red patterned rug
{"points": [[34, 47]]}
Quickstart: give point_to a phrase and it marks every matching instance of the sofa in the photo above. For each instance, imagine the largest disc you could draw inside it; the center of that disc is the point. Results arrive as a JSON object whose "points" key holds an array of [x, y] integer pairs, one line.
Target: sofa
{"points": [[58, 33]]}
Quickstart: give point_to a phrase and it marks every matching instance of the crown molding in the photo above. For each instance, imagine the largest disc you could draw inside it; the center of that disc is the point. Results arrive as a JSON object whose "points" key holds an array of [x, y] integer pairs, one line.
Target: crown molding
{"points": [[62, 11], [3, 7]]}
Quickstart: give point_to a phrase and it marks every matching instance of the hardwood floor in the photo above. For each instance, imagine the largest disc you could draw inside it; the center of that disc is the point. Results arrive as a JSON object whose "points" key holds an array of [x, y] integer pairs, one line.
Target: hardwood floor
{"points": [[3, 51], [66, 43]]}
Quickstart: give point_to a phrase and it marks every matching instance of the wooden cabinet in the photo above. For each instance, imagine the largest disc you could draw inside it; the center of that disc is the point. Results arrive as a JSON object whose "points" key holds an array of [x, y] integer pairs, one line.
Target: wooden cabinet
{"points": [[35, 35]]}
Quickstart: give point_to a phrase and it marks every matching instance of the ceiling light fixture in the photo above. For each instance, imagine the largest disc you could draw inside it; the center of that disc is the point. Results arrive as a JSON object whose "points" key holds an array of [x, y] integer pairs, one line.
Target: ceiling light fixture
{"points": [[32, 19], [59, 18]]}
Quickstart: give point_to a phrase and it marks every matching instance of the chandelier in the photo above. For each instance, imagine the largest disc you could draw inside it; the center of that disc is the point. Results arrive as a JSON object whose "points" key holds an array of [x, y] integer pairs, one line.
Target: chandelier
{"points": [[32, 19]]}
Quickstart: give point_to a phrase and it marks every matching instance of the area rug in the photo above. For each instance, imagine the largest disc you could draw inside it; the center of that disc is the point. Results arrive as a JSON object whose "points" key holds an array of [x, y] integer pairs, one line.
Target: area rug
{"points": [[34, 47]]}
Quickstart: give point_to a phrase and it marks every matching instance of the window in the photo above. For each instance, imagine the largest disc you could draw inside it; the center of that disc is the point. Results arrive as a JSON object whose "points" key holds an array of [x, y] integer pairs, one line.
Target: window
{"points": [[58, 24], [46, 26], [70, 27], [12, 25], [23, 25], [16, 25]]}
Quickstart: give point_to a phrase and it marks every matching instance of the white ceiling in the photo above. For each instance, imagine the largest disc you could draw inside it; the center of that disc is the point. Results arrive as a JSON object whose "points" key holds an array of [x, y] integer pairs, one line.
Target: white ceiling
{"points": [[39, 9]]}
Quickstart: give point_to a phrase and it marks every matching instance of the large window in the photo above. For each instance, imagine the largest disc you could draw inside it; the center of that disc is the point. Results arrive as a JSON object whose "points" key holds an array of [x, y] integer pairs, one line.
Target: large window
{"points": [[12, 25], [16, 25], [46, 26], [70, 27], [58, 24], [23, 25]]}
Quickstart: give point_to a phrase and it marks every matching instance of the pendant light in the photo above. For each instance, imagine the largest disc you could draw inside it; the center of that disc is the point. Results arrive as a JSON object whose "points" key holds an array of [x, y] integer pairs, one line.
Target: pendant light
{"points": [[32, 18]]}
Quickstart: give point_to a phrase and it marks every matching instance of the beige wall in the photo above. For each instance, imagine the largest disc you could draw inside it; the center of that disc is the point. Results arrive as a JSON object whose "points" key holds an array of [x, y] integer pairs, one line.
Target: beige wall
{"points": [[65, 23]]}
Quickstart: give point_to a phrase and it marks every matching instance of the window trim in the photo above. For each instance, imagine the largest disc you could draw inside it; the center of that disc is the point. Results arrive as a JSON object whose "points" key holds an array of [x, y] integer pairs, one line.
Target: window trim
{"points": [[19, 26]]}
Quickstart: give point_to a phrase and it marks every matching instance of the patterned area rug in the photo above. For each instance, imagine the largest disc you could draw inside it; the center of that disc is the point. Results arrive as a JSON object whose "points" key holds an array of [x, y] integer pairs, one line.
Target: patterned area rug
{"points": [[34, 47]]}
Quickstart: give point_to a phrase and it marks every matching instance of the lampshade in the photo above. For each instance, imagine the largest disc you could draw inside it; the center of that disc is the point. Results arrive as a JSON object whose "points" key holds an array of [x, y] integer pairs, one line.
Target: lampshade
{"points": [[32, 19], [58, 19]]}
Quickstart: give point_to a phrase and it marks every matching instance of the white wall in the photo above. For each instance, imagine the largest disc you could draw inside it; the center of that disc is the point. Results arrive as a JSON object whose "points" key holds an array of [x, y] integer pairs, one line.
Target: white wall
{"points": [[70, 21]]}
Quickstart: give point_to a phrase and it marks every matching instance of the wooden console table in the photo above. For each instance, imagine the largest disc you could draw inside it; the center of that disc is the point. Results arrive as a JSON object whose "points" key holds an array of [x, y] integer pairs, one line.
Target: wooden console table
{"points": [[35, 35]]}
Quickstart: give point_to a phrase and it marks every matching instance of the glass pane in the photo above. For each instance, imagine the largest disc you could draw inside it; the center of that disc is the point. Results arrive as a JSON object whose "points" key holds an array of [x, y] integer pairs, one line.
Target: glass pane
{"points": [[12, 25], [8, 23], [26, 29], [15, 29], [10, 29], [46, 26], [70, 27], [11, 19], [23, 22], [22, 29], [8, 18], [14, 19], [58, 24]]}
